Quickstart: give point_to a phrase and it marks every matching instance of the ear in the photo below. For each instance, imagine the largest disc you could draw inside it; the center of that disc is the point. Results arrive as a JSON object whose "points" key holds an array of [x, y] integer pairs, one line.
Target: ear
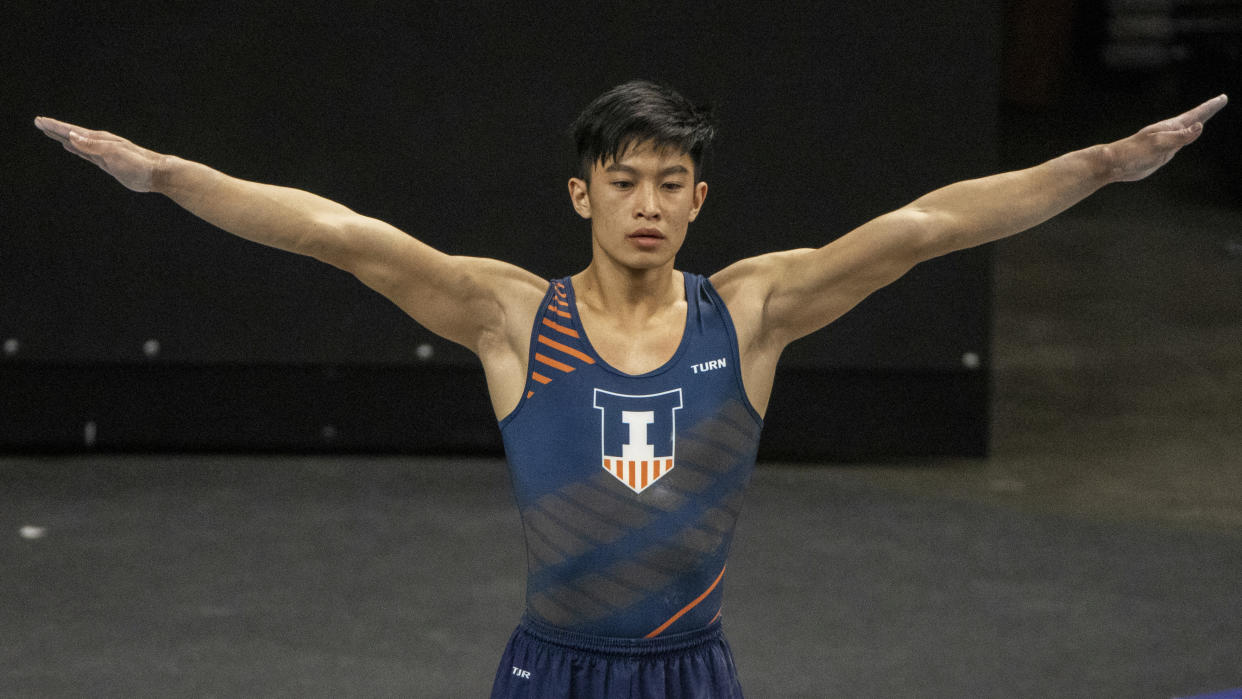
{"points": [[700, 196], [580, 196]]}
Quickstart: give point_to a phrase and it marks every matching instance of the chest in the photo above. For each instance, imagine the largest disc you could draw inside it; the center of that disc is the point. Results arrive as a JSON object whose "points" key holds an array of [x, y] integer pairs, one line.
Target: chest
{"points": [[635, 346]]}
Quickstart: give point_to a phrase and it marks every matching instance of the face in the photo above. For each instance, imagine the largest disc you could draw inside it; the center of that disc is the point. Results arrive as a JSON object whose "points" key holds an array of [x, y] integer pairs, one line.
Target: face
{"points": [[640, 205]]}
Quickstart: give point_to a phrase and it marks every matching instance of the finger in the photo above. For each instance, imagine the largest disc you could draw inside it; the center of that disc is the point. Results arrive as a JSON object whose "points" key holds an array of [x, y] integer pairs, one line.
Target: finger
{"points": [[82, 142], [52, 126], [85, 156], [1199, 114], [90, 148], [1207, 109], [96, 160], [56, 137], [91, 142], [61, 129], [74, 149], [50, 130], [1174, 140]]}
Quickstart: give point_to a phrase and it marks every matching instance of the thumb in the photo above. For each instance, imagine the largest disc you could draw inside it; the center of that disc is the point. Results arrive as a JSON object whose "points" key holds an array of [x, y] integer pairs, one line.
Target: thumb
{"points": [[1174, 139], [83, 143], [1181, 137]]}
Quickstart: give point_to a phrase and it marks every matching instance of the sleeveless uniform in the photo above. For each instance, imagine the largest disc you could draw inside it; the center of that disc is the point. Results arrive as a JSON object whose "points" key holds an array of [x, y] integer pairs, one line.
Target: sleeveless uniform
{"points": [[629, 487]]}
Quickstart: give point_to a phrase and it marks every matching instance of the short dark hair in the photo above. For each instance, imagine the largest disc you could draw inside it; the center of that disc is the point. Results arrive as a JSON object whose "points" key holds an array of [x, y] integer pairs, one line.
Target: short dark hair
{"points": [[641, 112]]}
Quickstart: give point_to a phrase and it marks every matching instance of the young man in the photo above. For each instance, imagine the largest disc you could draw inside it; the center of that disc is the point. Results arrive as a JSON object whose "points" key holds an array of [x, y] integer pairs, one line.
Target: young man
{"points": [[630, 395]]}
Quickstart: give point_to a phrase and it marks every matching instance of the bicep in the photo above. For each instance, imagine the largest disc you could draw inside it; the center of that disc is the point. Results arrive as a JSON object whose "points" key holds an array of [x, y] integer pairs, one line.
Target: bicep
{"points": [[462, 299], [811, 288]]}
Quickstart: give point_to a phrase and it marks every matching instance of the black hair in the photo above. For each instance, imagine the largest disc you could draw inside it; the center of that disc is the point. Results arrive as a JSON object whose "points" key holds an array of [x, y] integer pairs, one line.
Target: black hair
{"points": [[641, 112]]}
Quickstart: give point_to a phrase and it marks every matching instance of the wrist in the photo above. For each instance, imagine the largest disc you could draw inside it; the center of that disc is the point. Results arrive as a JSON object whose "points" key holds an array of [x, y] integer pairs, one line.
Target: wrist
{"points": [[181, 180], [1101, 163], [164, 171]]}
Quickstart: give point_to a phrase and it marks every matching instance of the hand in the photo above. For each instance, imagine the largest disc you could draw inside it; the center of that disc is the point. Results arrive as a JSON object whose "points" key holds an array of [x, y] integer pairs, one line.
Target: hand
{"points": [[1145, 152], [132, 166]]}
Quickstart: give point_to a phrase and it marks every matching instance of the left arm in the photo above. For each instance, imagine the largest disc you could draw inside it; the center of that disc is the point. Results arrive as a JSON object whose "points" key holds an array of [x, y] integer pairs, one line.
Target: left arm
{"points": [[779, 297]]}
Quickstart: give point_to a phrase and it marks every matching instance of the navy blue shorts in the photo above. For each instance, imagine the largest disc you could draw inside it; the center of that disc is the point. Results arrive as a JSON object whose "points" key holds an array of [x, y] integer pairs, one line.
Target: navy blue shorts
{"points": [[543, 661]]}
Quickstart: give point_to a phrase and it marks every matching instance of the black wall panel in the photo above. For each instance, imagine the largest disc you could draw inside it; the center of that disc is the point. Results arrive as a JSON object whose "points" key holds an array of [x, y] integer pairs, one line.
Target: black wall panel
{"points": [[816, 413], [448, 120]]}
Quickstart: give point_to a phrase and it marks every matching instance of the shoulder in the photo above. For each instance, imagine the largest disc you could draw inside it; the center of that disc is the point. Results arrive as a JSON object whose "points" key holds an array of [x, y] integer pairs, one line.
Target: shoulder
{"points": [[751, 280], [497, 284], [512, 291], [493, 273]]}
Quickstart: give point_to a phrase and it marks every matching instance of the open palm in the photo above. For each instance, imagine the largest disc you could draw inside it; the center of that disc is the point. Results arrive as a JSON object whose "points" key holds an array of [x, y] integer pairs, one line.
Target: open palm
{"points": [[132, 165], [1138, 156]]}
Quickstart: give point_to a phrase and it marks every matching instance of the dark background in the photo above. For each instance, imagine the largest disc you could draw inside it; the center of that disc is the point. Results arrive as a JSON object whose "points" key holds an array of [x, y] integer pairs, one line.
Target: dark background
{"points": [[449, 121], [1093, 553]]}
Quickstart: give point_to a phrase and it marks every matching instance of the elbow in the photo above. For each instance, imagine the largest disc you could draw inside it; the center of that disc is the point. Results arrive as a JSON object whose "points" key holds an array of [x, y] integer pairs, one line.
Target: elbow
{"points": [[324, 238], [925, 233]]}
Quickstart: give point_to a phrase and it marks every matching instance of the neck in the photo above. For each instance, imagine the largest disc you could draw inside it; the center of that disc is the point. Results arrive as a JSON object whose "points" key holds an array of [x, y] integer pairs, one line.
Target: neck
{"points": [[624, 291]]}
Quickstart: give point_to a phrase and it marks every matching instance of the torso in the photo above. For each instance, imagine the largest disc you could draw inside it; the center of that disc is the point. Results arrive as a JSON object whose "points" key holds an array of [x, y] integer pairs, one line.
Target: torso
{"points": [[629, 468]]}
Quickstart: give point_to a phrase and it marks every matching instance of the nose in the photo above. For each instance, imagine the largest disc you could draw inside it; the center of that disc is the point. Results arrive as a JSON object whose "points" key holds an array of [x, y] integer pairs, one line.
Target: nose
{"points": [[647, 204]]}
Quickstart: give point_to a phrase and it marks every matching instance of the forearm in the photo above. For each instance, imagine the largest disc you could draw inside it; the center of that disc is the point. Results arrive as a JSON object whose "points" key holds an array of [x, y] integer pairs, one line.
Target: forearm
{"points": [[973, 212], [280, 217]]}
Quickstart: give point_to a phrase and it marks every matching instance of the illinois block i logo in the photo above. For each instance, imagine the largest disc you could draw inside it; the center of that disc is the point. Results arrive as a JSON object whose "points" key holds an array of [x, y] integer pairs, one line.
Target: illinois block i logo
{"points": [[638, 435]]}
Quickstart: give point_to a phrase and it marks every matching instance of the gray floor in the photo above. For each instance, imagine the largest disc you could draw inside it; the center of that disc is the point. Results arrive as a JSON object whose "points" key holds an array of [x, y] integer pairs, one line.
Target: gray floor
{"points": [[1096, 553]]}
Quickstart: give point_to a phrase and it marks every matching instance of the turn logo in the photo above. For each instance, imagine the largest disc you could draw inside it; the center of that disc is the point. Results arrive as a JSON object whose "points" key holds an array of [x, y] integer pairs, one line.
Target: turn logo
{"points": [[637, 435]]}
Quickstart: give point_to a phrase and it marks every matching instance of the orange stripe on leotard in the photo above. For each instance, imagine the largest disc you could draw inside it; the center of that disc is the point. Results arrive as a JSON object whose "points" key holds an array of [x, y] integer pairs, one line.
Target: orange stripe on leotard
{"points": [[659, 630], [543, 359], [560, 328], [566, 349]]}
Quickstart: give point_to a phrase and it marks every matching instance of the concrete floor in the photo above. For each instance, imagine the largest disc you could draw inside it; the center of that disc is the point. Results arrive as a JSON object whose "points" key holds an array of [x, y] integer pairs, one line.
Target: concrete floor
{"points": [[1096, 553]]}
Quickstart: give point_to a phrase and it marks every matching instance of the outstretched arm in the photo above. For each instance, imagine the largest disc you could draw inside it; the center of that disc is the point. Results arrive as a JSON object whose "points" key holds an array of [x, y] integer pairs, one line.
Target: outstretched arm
{"points": [[803, 290], [460, 298], [779, 297]]}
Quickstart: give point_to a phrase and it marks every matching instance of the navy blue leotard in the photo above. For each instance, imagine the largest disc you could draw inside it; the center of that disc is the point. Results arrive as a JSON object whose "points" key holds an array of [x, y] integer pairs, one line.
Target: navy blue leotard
{"points": [[629, 486]]}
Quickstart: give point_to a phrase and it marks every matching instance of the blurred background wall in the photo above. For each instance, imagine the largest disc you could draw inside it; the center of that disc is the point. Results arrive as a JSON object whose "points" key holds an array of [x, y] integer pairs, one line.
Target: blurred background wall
{"points": [[129, 325]]}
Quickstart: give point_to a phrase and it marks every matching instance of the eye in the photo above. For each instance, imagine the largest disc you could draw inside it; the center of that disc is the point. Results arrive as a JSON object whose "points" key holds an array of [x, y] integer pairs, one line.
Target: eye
{"points": [[673, 186], [622, 184]]}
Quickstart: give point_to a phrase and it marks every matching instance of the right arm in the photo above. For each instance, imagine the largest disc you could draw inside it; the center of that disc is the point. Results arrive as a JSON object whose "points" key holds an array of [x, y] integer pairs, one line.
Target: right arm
{"points": [[458, 298], [485, 305]]}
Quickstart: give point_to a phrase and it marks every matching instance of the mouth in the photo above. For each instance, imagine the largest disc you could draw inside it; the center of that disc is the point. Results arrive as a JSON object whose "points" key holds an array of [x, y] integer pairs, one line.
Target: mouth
{"points": [[646, 239], [652, 234]]}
